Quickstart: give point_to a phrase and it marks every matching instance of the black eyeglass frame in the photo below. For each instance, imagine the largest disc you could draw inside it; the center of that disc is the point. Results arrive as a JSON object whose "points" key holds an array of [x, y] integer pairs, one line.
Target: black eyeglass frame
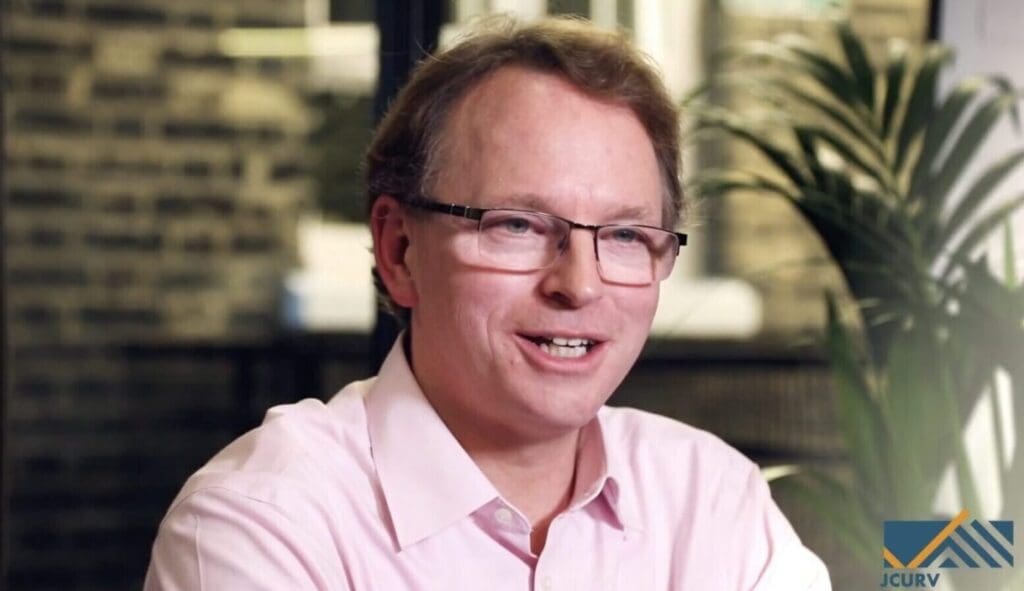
{"points": [[477, 213]]}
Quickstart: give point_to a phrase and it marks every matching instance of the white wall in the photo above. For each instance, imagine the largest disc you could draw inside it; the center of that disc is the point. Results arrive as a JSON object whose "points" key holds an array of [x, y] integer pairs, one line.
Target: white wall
{"points": [[986, 35]]}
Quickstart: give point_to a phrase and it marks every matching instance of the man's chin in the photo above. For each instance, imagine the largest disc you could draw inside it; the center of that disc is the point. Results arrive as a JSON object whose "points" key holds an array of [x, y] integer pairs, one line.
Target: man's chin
{"points": [[556, 409]]}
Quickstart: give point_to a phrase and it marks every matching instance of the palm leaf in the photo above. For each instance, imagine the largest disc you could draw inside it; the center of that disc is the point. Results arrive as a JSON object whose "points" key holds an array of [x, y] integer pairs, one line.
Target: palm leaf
{"points": [[832, 113], [874, 169], [939, 186], [885, 216], [827, 72], [922, 400], [1009, 259], [863, 428], [717, 183], [977, 195], [793, 51], [860, 66], [742, 130], [921, 104], [981, 231], [806, 140], [941, 125], [853, 218], [843, 513], [894, 75]]}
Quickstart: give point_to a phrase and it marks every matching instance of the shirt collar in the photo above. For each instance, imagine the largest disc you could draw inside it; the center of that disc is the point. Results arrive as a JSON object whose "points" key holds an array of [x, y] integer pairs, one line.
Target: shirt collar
{"points": [[428, 479], [603, 469], [430, 482]]}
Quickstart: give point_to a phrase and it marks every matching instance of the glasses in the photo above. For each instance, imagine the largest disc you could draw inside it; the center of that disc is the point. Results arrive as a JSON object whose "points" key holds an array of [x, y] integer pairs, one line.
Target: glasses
{"points": [[522, 240]]}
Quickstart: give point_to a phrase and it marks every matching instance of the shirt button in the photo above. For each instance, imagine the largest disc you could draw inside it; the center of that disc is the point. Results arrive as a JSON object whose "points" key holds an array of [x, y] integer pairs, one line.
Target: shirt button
{"points": [[503, 516], [547, 584]]}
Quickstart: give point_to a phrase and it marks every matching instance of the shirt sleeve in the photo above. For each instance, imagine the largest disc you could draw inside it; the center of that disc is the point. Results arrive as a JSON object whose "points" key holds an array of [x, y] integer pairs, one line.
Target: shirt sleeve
{"points": [[790, 565], [219, 539], [796, 568]]}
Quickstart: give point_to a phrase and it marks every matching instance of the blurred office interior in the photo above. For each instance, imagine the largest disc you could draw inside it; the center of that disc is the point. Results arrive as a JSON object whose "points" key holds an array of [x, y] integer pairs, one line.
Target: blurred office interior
{"points": [[183, 247]]}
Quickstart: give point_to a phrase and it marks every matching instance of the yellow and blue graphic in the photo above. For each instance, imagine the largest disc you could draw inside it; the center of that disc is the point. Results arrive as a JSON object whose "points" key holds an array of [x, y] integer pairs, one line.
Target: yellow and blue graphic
{"points": [[953, 544], [913, 551]]}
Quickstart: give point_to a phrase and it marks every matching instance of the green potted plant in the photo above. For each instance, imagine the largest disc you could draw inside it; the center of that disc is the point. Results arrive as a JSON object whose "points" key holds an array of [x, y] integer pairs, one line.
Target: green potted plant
{"points": [[875, 161]]}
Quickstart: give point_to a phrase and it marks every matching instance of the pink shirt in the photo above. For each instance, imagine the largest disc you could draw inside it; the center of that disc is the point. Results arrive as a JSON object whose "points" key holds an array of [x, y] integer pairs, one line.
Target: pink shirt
{"points": [[371, 491]]}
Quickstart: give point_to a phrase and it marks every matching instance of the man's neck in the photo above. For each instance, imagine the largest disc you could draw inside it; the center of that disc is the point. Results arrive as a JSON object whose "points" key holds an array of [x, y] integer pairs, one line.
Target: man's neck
{"points": [[536, 475], [537, 478]]}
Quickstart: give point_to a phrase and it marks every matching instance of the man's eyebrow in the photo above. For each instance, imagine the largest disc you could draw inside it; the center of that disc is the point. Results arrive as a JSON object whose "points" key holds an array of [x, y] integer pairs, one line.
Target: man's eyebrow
{"points": [[534, 202], [523, 201], [631, 212]]}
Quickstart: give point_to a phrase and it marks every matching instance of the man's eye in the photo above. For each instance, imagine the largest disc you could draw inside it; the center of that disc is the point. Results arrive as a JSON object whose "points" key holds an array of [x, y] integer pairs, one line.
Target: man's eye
{"points": [[626, 235], [516, 225]]}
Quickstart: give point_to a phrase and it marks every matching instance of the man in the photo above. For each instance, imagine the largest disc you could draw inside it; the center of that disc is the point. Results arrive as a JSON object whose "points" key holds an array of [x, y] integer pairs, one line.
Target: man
{"points": [[523, 190]]}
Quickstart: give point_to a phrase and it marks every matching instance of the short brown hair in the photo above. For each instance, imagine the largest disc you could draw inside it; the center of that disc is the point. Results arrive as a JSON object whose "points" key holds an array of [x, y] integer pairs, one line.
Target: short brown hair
{"points": [[404, 155]]}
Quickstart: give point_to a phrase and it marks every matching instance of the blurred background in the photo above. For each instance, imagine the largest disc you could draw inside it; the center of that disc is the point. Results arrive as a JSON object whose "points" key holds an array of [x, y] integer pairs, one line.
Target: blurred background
{"points": [[184, 247]]}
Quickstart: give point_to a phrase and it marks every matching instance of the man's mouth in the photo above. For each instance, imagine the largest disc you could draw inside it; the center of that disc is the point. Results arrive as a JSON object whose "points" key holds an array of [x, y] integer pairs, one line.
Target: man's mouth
{"points": [[559, 346]]}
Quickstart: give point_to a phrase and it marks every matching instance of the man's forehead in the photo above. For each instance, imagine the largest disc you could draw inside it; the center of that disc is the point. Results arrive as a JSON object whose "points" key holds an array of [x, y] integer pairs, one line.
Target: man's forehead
{"points": [[517, 91], [531, 140], [498, 111]]}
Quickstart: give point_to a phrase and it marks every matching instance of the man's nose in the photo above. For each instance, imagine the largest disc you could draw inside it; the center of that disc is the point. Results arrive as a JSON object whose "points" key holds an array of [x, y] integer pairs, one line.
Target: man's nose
{"points": [[574, 280]]}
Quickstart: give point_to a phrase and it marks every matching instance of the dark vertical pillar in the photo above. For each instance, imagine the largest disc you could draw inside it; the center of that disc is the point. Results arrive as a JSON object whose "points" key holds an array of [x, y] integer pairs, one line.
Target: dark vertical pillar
{"points": [[935, 20], [5, 365], [409, 30]]}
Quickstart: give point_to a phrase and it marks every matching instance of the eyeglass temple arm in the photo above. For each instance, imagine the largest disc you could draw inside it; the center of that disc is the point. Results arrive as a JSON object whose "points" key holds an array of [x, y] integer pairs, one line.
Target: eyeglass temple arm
{"points": [[462, 211]]}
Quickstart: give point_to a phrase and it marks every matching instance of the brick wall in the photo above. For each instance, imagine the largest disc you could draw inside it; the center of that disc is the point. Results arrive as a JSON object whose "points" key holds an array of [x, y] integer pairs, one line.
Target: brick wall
{"points": [[153, 184]]}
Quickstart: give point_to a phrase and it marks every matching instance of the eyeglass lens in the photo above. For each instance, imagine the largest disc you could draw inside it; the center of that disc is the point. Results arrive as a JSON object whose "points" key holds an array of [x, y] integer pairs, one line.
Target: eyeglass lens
{"points": [[524, 241]]}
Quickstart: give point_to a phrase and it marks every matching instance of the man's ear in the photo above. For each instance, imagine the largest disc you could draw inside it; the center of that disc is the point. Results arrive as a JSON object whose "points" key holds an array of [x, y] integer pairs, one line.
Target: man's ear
{"points": [[389, 226]]}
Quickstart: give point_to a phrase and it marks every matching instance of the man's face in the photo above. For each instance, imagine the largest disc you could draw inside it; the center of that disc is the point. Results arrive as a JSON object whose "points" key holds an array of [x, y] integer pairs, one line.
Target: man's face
{"points": [[527, 140]]}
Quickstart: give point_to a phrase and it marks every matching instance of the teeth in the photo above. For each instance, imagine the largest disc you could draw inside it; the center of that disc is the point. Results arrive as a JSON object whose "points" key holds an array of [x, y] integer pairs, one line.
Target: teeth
{"points": [[563, 342], [556, 350], [570, 348]]}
